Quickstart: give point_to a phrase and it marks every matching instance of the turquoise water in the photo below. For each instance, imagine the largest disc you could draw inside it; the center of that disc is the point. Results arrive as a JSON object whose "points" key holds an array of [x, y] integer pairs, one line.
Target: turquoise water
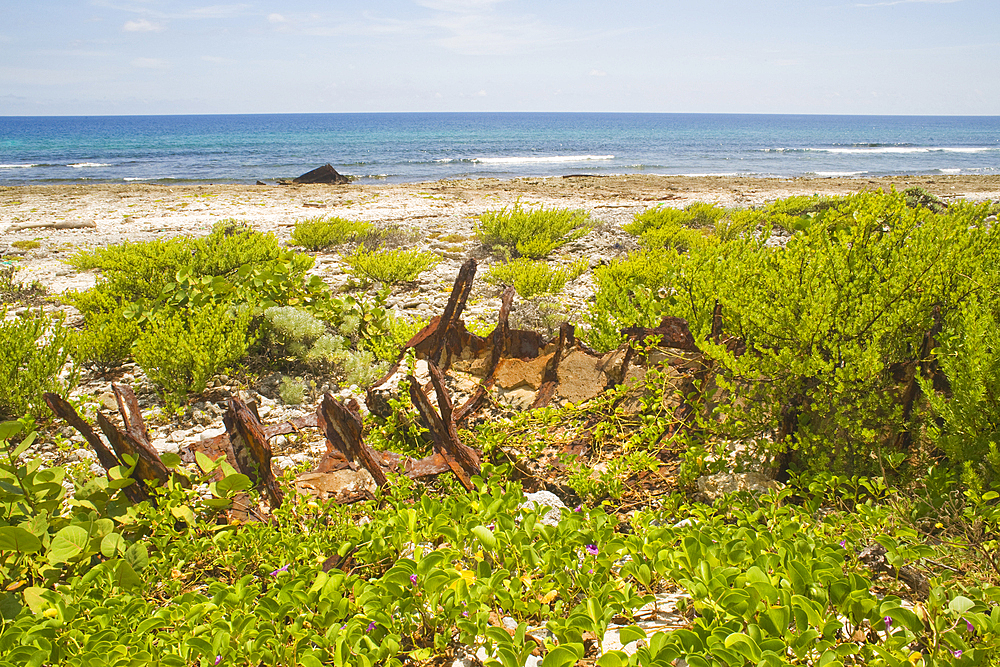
{"points": [[425, 146]]}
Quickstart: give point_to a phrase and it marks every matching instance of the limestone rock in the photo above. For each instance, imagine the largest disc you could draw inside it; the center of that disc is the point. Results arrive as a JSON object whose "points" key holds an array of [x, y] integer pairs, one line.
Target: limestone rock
{"points": [[725, 483]]}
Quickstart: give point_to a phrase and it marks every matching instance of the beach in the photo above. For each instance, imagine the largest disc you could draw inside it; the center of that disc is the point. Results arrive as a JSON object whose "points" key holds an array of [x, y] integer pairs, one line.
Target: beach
{"points": [[63, 218]]}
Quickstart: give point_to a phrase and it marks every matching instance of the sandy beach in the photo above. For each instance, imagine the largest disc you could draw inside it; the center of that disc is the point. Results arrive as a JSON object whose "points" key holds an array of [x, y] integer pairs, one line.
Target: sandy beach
{"points": [[66, 217]]}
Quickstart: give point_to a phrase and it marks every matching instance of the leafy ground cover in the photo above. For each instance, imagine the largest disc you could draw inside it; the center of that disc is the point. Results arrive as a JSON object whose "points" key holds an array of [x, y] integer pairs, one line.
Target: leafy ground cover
{"points": [[854, 353]]}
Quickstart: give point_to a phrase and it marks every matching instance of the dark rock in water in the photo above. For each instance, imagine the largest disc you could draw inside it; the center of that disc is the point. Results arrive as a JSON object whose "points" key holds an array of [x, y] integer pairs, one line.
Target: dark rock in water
{"points": [[261, 183], [324, 174]]}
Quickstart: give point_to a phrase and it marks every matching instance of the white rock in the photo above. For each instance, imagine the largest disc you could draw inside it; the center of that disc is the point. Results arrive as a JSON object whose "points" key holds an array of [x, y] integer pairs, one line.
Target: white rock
{"points": [[541, 500]]}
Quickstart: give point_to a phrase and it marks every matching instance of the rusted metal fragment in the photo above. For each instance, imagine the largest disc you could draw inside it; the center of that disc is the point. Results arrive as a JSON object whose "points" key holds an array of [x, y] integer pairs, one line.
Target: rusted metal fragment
{"points": [[498, 339], [251, 449], [452, 313], [148, 465], [550, 378], [62, 409], [220, 446], [128, 407], [462, 460], [434, 464], [341, 423]]}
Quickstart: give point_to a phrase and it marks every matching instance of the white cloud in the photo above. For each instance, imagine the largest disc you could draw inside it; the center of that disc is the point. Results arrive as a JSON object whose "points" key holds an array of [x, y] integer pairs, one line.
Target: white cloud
{"points": [[276, 18], [149, 63], [598, 72], [142, 25]]}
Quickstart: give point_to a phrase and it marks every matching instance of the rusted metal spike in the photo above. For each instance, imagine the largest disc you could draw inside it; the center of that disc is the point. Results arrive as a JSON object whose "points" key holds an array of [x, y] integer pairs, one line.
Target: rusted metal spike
{"points": [[462, 460], [148, 465], [251, 449], [550, 379], [452, 312], [467, 457], [498, 339], [341, 423], [62, 409], [131, 413]]}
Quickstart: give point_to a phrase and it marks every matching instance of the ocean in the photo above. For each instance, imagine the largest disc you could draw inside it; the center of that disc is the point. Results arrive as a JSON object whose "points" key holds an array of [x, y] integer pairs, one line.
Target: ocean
{"points": [[413, 147]]}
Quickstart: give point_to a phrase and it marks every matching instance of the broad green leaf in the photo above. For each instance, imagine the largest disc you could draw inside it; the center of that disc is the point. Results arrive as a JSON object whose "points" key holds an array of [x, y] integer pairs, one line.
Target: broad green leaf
{"points": [[631, 633], [613, 659], [485, 535], [233, 484], [10, 606], [206, 464], [18, 540], [68, 543], [745, 645], [33, 597], [125, 576], [137, 556], [961, 604], [170, 459], [9, 429], [563, 656], [185, 514], [112, 545]]}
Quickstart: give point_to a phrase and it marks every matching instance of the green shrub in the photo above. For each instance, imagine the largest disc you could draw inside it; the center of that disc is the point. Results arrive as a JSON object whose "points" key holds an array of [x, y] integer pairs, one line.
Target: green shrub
{"points": [[390, 267], [291, 391], [323, 232], [183, 348], [531, 278], [532, 233], [966, 421], [106, 340], [34, 350], [302, 336], [664, 227], [27, 244], [14, 291]]}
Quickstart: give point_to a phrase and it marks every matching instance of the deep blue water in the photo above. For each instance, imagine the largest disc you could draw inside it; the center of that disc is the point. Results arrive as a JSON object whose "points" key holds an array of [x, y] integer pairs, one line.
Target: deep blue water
{"points": [[425, 146]]}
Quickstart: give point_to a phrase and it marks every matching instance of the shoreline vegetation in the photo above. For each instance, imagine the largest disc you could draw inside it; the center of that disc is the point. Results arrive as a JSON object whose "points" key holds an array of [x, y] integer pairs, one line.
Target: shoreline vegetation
{"points": [[800, 466]]}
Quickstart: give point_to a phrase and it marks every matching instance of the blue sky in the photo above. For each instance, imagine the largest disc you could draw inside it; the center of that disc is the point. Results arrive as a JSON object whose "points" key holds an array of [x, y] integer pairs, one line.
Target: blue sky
{"points": [[739, 56]]}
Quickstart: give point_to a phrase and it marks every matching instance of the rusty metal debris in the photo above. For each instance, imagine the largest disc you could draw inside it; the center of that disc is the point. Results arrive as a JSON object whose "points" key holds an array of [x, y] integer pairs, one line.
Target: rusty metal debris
{"points": [[516, 366]]}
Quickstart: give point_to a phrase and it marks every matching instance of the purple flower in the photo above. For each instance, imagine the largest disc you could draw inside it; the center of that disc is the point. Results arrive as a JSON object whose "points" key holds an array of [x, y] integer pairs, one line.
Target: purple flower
{"points": [[957, 654], [843, 543], [218, 659], [590, 571], [371, 626], [413, 579], [969, 626], [888, 622], [579, 508], [275, 574], [465, 614], [592, 549]]}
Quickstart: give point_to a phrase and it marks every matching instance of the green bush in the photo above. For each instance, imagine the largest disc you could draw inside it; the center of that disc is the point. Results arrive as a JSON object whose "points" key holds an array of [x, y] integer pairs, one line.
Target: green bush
{"points": [[966, 421], [531, 278], [532, 233], [827, 321], [664, 227], [34, 351], [323, 232], [182, 349], [390, 267]]}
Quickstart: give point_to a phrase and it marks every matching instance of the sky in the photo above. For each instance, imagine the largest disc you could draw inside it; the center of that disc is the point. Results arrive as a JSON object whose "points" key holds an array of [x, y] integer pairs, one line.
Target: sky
{"points": [[111, 57]]}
